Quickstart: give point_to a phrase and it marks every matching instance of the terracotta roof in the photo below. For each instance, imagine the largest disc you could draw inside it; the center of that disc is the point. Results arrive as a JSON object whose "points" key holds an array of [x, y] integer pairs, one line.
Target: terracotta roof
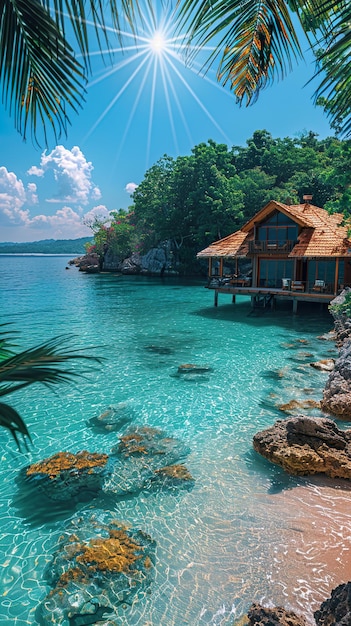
{"points": [[229, 246], [321, 234]]}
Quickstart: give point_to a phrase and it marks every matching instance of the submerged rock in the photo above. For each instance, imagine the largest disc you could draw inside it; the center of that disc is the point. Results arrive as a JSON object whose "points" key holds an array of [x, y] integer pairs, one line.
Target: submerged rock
{"points": [[187, 368], [292, 405], [138, 457], [98, 566], [65, 475], [305, 445], [277, 616], [336, 611], [325, 365], [113, 418], [135, 463]]}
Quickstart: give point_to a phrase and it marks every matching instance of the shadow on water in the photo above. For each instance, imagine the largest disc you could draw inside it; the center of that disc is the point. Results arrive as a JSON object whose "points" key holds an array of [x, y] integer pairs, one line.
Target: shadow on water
{"points": [[307, 319], [281, 481]]}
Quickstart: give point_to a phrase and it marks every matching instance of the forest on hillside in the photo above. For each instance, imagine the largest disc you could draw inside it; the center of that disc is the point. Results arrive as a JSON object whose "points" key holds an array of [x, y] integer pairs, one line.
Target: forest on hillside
{"points": [[46, 246], [194, 200]]}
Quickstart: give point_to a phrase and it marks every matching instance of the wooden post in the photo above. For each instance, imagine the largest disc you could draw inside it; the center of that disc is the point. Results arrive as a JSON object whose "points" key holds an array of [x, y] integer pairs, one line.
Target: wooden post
{"points": [[233, 299], [336, 275], [216, 298], [221, 267], [294, 306], [210, 267]]}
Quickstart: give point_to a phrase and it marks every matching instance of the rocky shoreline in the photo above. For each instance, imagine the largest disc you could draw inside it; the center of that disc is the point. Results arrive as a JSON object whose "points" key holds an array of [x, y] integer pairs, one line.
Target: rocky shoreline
{"points": [[304, 445]]}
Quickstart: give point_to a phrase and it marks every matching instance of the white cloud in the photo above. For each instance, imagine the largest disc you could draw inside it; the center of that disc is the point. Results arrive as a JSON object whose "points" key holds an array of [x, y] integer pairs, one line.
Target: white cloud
{"points": [[130, 187], [64, 224], [35, 171], [72, 172], [99, 213], [13, 196]]}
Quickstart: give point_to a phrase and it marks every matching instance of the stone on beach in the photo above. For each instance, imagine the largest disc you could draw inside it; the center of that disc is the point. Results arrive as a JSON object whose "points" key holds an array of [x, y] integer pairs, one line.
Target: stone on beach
{"points": [[336, 610], [305, 445], [277, 616]]}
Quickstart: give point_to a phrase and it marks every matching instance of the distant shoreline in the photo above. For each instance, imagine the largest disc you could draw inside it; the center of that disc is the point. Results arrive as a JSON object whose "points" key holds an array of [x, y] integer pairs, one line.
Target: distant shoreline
{"points": [[62, 254]]}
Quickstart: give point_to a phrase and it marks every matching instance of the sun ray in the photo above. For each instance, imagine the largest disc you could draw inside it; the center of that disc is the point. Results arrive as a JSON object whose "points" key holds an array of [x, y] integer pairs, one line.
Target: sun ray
{"points": [[196, 98], [179, 106], [151, 112], [169, 107], [115, 68], [134, 108], [118, 95]]}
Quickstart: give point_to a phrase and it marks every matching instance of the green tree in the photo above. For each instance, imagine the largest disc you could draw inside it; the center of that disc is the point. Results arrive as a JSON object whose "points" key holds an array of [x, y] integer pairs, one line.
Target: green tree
{"points": [[46, 364]]}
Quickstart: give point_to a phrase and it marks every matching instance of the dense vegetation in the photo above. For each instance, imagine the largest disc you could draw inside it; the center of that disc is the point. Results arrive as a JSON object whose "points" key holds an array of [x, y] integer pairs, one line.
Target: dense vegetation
{"points": [[196, 199], [46, 246]]}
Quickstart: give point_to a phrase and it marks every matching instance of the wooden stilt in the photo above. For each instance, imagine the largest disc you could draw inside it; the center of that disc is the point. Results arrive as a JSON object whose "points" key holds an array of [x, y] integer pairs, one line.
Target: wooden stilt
{"points": [[294, 306], [216, 298], [233, 299]]}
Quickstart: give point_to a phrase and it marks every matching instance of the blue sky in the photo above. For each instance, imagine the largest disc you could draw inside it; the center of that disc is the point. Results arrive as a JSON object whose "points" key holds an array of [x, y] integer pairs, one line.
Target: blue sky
{"points": [[142, 108]]}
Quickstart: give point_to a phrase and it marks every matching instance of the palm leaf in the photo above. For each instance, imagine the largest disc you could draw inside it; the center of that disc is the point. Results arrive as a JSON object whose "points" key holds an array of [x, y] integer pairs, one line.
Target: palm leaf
{"points": [[10, 419], [46, 364], [107, 18], [39, 73], [255, 40], [335, 70]]}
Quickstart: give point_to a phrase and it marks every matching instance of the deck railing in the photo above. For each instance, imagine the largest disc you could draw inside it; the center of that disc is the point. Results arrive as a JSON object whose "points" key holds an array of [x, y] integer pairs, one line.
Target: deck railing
{"points": [[271, 247]]}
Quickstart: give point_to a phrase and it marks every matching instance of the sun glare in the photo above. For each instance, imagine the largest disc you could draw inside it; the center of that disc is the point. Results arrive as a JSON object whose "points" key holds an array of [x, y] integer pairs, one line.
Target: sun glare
{"points": [[158, 43], [156, 57]]}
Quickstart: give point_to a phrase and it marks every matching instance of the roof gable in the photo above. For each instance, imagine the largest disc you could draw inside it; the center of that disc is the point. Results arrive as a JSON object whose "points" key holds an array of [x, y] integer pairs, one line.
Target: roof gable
{"points": [[295, 212]]}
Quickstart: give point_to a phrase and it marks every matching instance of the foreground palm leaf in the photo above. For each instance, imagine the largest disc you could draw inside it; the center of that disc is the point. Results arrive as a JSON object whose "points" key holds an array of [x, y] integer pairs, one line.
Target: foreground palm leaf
{"points": [[40, 76], [42, 80], [46, 364], [255, 39]]}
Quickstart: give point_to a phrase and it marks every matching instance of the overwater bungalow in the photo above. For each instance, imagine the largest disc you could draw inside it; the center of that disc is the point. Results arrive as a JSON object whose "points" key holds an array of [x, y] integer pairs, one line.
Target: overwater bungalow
{"points": [[297, 252]]}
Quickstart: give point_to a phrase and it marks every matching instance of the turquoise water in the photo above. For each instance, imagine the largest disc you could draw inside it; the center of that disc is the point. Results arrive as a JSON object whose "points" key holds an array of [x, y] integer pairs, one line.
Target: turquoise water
{"points": [[245, 532]]}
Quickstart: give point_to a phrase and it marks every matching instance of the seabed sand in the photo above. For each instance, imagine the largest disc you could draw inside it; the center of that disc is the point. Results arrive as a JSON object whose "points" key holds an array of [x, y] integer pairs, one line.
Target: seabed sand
{"points": [[313, 553]]}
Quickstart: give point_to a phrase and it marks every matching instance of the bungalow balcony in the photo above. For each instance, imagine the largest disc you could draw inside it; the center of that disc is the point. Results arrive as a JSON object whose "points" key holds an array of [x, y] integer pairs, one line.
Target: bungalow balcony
{"points": [[280, 286], [271, 247]]}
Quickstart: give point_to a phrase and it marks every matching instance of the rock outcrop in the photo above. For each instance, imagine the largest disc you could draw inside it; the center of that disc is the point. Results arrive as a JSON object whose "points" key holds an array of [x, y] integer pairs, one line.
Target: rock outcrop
{"points": [[277, 616], [336, 611], [337, 391], [307, 445]]}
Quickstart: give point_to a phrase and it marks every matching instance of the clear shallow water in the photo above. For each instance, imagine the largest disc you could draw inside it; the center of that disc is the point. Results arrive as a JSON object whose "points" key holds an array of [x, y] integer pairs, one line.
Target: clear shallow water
{"points": [[246, 531]]}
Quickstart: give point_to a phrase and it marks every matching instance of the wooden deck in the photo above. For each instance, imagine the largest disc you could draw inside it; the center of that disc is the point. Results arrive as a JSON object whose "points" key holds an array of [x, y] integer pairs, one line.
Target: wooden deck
{"points": [[271, 294]]}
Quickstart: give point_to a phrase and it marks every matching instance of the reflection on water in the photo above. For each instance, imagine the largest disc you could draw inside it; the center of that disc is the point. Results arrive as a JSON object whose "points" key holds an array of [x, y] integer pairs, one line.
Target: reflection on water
{"points": [[246, 531]]}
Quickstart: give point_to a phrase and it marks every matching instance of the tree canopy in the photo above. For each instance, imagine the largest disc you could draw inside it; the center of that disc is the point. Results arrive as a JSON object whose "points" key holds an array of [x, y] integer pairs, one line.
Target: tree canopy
{"points": [[194, 200]]}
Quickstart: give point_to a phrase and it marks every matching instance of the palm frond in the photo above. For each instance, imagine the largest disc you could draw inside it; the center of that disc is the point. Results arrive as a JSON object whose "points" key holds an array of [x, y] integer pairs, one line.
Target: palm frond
{"points": [[255, 40], [46, 364], [10, 419], [335, 70], [107, 18], [40, 76]]}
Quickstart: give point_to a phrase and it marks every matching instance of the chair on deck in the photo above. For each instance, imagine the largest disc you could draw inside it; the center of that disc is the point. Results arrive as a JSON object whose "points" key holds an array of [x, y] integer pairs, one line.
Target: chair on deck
{"points": [[319, 285], [297, 285], [286, 283]]}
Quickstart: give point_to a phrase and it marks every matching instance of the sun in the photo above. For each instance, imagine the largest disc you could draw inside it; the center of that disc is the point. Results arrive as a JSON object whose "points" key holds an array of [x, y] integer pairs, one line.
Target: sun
{"points": [[158, 43], [154, 61]]}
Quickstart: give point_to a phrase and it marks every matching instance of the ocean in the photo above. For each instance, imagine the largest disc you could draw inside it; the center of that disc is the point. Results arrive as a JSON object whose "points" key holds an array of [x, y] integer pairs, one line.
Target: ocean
{"points": [[246, 531]]}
